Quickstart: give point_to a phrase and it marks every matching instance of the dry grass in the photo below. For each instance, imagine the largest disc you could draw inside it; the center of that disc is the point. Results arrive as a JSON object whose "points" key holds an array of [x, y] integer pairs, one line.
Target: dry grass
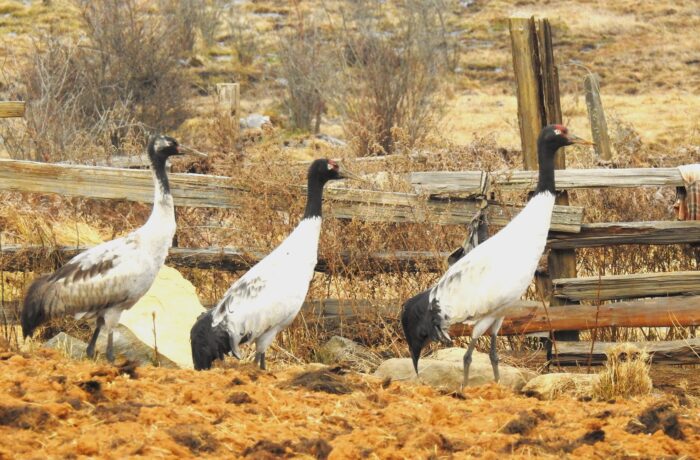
{"points": [[626, 374]]}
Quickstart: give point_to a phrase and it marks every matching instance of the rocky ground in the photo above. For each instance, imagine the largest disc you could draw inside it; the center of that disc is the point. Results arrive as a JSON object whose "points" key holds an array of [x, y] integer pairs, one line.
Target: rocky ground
{"points": [[52, 407]]}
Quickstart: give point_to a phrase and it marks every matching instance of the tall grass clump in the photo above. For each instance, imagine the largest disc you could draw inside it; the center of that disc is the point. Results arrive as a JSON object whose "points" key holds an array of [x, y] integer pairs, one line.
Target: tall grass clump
{"points": [[626, 373]]}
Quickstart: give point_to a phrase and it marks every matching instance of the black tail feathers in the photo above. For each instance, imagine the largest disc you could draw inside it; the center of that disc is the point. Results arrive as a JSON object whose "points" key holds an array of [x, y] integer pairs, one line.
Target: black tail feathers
{"points": [[208, 343], [33, 311]]}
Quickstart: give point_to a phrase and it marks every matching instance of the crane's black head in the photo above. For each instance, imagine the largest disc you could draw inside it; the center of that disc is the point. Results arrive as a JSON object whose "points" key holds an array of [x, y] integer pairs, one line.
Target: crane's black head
{"points": [[208, 343], [421, 325], [161, 147], [323, 170], [556, 136]]}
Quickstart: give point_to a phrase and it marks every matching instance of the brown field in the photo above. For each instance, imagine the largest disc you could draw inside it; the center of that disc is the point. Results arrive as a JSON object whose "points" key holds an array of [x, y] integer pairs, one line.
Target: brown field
{"points": [[54, 408]]}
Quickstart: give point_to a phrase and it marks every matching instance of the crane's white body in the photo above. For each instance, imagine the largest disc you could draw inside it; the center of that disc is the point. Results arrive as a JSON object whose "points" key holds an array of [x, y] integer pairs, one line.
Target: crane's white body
{"points": [[268, 297], [113, 276], [481, 286]]}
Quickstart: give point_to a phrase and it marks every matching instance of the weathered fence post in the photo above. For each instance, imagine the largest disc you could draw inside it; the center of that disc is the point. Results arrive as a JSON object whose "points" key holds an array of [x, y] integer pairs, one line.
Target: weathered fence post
{"points": [[599, 127], [229, 95], [537, 82]]}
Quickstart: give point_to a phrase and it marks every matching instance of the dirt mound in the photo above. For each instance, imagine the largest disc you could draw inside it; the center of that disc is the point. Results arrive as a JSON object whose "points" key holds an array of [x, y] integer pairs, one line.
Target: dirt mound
{"points": [[98, 410]]}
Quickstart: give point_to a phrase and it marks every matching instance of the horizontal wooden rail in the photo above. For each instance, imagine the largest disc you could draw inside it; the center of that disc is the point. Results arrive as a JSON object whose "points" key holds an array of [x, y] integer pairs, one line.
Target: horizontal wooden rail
{"points": [[193, 190], [11, 109], [196, 190], [529, 316], [605, 234], [469, 182], [672, 352], [637, 285], [16, 258]]}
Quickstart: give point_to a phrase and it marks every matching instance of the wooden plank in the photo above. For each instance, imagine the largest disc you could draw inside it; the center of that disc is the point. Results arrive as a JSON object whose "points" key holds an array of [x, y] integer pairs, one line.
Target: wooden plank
{"points": [[564, 218], [465, 182], [194, 190], [596, 116], [525, 66], [637, 285], [11, 109], [15, 258], [672, 352], [457, 182], [606, 234]]}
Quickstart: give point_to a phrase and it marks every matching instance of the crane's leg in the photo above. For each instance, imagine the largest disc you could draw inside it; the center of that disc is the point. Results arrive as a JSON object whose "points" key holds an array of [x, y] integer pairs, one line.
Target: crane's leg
{"points": [[260, 359], [93, 340], [110, 347], [467, 361], [261, 344], [493, 354]]}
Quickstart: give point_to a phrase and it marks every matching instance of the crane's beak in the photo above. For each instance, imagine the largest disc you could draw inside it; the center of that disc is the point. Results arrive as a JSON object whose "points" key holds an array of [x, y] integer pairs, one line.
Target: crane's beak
{"points": [[183, 150], [574, 139], [345, 174]]}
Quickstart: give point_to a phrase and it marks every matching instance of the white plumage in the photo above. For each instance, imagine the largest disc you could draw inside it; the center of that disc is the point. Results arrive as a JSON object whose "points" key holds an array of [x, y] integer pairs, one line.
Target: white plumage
{"points": [[105, 280], [268, 297], [479, 287]]}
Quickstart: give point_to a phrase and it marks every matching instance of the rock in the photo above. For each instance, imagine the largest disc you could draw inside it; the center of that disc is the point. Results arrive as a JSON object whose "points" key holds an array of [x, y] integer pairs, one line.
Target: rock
{"points": [[254, 121], [334, 141], [126, 345], [174, 301], [69, 345], [444, 370], [339, 350], [551, 386]]}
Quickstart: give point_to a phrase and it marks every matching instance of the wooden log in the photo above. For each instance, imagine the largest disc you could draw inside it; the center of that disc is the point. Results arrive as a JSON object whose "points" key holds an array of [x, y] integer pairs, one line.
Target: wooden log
{"points": [[638, 285], [11, 109], [14, 258], [464, 182], [529, 316], [596, 116], [612, 233], [672, 352]]}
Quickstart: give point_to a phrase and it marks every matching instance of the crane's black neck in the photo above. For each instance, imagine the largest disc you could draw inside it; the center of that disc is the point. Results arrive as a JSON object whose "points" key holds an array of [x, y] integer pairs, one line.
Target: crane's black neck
{"points": [[545, 157], [314, 197], [158, 165]]}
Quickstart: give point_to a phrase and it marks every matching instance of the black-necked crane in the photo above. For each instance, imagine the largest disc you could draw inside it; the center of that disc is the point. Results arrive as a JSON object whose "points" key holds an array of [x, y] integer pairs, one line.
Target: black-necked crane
{"points": [[109, 278], [267, 298], [480, 287]]}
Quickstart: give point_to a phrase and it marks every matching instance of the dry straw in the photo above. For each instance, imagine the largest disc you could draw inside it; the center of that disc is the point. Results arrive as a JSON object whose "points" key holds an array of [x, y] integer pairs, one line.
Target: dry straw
{"points": [[626, 373]]}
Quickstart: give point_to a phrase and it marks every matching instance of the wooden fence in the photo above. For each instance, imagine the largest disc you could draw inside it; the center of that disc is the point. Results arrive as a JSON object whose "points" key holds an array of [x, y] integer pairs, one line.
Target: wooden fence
{"points": [[448, 198]]}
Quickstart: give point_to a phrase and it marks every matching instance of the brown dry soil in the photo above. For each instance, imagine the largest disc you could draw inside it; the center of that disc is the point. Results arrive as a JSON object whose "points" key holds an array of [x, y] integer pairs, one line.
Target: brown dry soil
{"points": [[51, 407]]}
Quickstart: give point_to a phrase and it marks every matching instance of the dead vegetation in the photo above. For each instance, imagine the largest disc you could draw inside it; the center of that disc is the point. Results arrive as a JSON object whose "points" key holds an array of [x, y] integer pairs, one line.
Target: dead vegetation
{"points": [[626, 374], [168, 412]]}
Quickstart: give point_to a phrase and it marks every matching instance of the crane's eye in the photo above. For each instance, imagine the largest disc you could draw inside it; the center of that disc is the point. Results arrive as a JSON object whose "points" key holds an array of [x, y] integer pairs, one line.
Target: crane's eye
{"points": [[557, 132]]}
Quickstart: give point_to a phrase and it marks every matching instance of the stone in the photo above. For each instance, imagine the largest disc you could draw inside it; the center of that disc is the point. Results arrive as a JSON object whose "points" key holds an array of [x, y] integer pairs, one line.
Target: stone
{"points": [[551, 386], [174, 301], [444, 370], [254, 121], [340, 350], [126, 345]]}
